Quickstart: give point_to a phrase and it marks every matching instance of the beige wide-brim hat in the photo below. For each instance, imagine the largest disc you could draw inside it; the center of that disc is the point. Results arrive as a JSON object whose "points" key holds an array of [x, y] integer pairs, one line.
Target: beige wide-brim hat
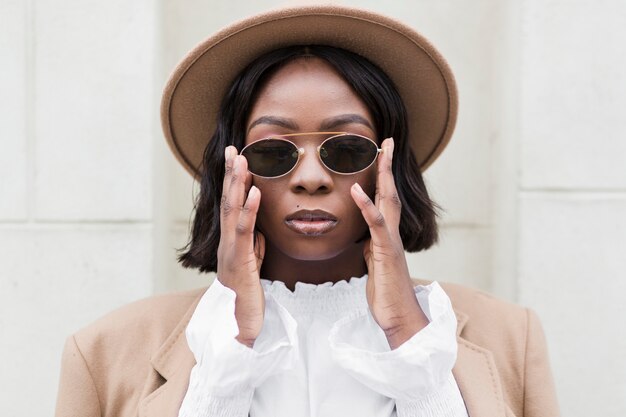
{"points": [[194, 91]]}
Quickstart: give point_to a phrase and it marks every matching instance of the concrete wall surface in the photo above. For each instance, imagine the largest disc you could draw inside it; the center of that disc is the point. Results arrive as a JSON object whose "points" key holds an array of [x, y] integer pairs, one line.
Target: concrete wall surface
{"points": [[533, 183]]}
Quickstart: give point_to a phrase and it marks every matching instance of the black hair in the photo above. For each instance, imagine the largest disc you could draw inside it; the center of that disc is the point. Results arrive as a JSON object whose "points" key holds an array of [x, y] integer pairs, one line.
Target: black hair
{"points": [[418, 226]]}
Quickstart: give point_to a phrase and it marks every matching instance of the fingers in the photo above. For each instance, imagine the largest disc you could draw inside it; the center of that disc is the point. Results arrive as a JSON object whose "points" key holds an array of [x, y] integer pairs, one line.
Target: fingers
{"points": [[237, 180], [237, 190], [372, 215], [244, 237], [387, 199], [239, 204], [225, 205], [229, 158], [247, 179], [247, 215]]}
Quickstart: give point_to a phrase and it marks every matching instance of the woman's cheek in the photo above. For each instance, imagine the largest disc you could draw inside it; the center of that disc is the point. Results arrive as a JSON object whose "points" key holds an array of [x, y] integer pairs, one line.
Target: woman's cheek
{"points": [[269, 204]]}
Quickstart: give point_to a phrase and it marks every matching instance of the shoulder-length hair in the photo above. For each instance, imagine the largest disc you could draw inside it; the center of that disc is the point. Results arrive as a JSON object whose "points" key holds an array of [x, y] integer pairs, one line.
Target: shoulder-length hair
{"points": [[418, 226]]}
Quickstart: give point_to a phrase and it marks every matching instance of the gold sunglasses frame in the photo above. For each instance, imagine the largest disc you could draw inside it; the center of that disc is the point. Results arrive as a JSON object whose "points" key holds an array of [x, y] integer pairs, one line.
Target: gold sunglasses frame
{"points": [[301, 150]]}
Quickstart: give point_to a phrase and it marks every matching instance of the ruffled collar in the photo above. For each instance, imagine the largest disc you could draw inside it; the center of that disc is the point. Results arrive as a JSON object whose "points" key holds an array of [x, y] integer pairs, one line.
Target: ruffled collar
{"points": [[329, 297]]}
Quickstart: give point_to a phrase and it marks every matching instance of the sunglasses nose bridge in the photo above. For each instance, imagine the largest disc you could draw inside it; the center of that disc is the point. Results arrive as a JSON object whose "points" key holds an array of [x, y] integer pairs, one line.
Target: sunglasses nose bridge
{"points": [[310, 162]]}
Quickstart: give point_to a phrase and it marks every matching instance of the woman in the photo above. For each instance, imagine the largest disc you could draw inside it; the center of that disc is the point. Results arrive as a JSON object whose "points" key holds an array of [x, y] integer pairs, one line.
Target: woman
{"points": [[311, 190]]}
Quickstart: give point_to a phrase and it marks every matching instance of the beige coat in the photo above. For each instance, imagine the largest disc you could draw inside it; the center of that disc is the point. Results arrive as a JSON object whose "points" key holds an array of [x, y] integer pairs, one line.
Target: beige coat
{"points": [[135, 360]]}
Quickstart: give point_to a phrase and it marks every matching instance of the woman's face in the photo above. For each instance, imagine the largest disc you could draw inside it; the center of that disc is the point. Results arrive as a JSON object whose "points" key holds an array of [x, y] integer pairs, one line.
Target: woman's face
{"points": [[307, 95]]}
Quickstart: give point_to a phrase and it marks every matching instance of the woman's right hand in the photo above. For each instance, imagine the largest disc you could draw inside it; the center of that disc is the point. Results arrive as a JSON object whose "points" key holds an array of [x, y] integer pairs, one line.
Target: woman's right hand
{"points": [[238, 257]]}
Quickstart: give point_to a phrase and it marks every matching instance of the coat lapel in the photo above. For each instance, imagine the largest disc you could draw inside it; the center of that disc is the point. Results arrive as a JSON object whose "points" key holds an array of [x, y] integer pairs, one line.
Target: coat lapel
{"points": [[173, 363], [477, 377]]}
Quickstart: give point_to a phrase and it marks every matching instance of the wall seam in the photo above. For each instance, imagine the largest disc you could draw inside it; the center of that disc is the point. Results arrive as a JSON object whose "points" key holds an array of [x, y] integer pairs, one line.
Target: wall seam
{"points": [[30, 165]]}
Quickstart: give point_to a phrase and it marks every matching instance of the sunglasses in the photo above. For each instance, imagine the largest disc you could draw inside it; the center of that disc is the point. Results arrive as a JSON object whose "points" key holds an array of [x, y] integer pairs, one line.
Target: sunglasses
{"points": [[342, 153]]}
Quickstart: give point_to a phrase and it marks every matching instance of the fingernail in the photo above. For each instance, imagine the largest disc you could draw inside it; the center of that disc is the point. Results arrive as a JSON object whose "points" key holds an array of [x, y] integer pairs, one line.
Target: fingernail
{"points": [[253, 191], [358, 188], [236, 163], [390, 147]]}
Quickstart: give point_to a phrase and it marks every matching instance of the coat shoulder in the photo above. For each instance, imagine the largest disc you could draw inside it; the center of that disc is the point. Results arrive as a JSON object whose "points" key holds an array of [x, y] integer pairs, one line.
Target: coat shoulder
{"points": [[114, 353], [148, 321], [132, 333], [481, 305], [488, 321]]}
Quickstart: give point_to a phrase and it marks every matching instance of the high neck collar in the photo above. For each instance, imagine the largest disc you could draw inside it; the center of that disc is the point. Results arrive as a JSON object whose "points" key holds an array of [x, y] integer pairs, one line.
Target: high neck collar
{"points": [[328, 298]]}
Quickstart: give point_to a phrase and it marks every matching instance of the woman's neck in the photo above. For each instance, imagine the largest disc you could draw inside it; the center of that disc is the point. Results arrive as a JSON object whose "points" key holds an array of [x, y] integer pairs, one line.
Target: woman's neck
{"points": [[279, 267]]}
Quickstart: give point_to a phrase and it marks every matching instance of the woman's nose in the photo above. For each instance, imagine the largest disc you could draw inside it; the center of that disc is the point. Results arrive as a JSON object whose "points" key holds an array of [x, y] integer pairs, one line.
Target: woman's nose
{"points": [[310, 175]]}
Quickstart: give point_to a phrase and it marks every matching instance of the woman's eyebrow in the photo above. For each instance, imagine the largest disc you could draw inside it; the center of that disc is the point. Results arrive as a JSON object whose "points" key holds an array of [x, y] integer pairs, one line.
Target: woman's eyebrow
{"points": [[276, 121], [344, 119]]}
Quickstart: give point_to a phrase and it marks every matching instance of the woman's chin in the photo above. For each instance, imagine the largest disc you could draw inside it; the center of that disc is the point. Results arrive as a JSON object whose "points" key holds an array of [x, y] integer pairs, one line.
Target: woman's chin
{"points": [[313, 249], [312, 255]]}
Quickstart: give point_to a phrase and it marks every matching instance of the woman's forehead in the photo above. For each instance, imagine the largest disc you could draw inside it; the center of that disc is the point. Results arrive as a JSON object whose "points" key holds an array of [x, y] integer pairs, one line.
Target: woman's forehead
{"points": [[307, 95]]}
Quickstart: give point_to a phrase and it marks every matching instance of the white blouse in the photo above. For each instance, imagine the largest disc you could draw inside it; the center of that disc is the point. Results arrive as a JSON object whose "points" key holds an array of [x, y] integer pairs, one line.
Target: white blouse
{"points": [[320, 353]]}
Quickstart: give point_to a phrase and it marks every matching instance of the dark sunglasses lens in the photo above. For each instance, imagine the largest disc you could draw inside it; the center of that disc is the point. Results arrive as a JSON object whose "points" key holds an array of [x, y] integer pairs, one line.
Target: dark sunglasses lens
{"points": [[271, 157], [348, 153]]}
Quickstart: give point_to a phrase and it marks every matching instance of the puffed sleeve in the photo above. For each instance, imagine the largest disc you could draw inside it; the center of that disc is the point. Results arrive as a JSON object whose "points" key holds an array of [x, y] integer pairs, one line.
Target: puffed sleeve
{"points": [[77, 394], [418, 374], [539, 393], [226, 372]]}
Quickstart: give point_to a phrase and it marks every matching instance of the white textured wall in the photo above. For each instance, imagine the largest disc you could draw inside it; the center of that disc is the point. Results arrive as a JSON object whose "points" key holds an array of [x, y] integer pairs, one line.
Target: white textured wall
{"points": [[572, 195], [76, 224], [533, 183]]}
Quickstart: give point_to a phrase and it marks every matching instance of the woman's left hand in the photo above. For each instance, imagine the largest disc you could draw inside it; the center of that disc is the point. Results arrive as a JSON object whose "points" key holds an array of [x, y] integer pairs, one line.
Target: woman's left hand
{"points": [[389, 287]]}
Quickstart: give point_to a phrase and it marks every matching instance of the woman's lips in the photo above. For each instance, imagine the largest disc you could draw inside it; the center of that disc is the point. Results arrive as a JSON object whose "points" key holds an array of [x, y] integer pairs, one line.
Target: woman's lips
{"points": [[311, 222], [311, 227]]}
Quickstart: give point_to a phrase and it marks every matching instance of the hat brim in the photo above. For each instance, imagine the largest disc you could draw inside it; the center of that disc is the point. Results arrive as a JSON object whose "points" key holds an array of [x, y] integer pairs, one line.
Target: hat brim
{"points": [[194, 91]]}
